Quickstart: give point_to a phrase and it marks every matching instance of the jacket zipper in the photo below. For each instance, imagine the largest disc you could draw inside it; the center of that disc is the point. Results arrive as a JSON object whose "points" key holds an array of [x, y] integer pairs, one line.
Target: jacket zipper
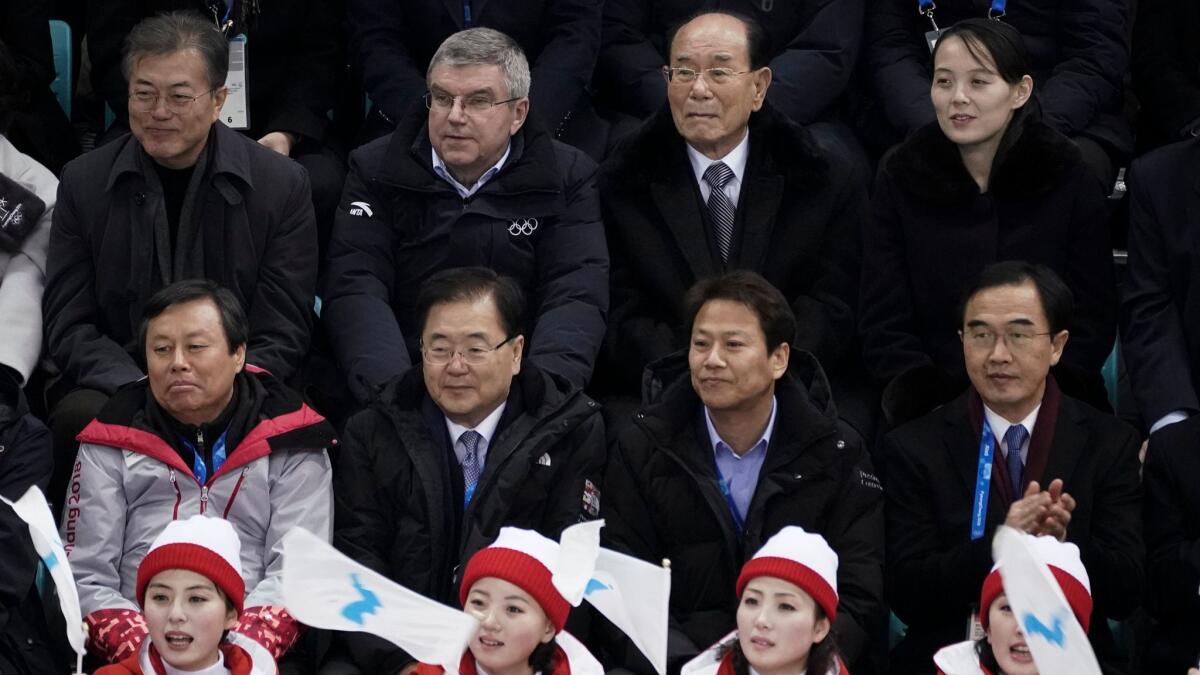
{"points": [[233, 495], [178, 496]]}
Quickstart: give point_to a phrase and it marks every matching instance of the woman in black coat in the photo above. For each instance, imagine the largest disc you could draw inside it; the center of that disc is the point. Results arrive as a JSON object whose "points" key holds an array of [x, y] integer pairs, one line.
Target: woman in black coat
{"points": [[986, 182]]}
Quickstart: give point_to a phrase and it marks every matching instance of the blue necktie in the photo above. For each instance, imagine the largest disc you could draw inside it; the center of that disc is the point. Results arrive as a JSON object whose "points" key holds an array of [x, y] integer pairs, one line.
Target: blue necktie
{"points": [[1014, 438], [470, 463], [720, 209]]}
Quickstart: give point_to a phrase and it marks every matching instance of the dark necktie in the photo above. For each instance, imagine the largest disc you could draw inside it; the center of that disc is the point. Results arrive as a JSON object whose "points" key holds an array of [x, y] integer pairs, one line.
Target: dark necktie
{"points": [[470, 463], [1014, 438], [720, 208]]}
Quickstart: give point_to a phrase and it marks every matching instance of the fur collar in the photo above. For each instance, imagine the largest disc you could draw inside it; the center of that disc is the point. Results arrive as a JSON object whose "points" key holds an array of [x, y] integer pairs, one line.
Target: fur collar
{"points": [[777, 144], [1031, 161]]}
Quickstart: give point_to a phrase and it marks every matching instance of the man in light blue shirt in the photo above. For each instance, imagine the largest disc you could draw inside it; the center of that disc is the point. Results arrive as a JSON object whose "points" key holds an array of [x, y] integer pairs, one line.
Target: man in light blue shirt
{"points": [[742, 440]]}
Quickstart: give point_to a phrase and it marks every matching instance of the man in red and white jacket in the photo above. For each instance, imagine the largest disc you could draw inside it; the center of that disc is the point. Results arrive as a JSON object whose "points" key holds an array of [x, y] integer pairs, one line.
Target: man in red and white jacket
{"points": [[203, 433]]}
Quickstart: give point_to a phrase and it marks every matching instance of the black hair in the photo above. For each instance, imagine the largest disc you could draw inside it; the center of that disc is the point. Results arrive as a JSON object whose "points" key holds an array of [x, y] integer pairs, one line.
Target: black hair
{"points": [[992, 41], [756, 38], [822, 657], [1058, 303], [987, 658], [233, 317], [171, 32], [460, 284], [543, 658], [775, 316]]}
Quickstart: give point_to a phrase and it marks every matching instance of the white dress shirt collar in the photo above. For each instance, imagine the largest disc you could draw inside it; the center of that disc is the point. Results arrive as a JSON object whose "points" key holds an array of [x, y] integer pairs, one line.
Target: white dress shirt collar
{"points": [[486, 429], [439, 167], [735, 160], [1000, 427]]}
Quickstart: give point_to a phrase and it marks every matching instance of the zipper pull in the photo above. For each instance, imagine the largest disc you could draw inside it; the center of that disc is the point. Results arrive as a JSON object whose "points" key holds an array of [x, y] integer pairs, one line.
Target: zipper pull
{"points": [[200, 440], [203, 499]]}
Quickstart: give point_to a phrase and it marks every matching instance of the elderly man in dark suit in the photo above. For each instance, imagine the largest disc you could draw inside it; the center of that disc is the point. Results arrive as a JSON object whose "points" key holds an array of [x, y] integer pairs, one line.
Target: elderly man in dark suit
{"points": [[1058, 467], [719, 180]]}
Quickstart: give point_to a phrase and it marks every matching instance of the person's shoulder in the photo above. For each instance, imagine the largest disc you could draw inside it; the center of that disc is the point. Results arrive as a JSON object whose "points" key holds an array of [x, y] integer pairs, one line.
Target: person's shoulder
{"points": [[1181, 157], [90, 170], [916, 435]]}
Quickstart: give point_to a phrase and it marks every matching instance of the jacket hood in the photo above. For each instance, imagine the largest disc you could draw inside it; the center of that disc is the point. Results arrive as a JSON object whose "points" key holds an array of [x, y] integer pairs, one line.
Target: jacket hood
{"points": [[543, 394], [1031, 160], [645, 155], [532, 165], [671, 372], [668, 398], [284, 421]]}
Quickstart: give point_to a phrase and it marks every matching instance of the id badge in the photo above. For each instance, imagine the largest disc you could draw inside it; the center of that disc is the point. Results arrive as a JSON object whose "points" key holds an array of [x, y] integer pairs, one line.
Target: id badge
{"points": [[236, 112], [975, 630], [931, 38]]}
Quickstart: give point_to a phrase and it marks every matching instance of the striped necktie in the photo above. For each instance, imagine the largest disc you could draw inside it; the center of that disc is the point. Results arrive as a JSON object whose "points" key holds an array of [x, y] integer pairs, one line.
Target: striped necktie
{"points": [[720, 208]]}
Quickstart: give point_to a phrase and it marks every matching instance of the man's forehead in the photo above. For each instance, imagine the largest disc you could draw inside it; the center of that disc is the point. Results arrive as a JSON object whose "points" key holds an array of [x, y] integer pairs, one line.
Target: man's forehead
{"points": [[714, 36], [467, 79], [1006, 304]]}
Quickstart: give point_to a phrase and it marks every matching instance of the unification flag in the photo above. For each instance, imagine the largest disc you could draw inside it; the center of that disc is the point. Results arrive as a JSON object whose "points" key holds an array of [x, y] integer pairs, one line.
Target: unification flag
{"points": [[325, 589], [33, 509], [635, 596], [1054, 636]]}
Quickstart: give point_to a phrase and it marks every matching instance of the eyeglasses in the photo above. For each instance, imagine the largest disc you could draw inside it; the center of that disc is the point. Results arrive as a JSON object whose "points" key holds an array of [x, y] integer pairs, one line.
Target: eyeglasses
{"points": [[145, 101], [472, 356], [475, 103], [689, 75], [985, 341]]}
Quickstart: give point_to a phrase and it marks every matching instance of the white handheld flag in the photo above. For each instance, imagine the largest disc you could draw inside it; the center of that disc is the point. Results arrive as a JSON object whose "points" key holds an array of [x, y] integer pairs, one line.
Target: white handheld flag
{"points": [[33, 509], [635, 596], [1054, 636], [325, 589], [578, 546]]}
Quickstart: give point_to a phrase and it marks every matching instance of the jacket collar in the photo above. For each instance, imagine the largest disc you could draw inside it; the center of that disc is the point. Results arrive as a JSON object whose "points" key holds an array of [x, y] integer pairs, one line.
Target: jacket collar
{"points": [[284, 422], [782, 154], [227, 156], [784, 148], [532, 164], [1031, 160]]}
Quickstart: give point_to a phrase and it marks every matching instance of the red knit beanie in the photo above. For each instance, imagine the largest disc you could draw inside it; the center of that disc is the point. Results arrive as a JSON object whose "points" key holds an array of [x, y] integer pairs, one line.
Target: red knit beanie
{"points": [[207, 546], [800, 558], [1067, 568], [523, 558]]}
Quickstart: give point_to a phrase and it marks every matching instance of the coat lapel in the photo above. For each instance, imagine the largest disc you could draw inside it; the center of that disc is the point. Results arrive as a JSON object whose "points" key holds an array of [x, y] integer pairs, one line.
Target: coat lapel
{"points": [[762, 190], [965, 422], [675, 198]]}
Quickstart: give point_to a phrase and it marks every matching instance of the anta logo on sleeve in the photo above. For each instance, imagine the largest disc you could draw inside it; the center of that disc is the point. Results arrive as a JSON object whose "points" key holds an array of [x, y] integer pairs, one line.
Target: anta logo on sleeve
{"points": [[361, 209]]}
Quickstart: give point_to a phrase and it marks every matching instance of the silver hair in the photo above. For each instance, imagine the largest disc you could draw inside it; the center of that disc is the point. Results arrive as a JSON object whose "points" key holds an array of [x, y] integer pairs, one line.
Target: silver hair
{"points": [[485, 46]]}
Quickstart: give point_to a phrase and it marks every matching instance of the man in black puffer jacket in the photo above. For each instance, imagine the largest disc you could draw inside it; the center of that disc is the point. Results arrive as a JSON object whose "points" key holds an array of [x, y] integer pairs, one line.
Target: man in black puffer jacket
{"points": [[469, 442], [717, 463]]}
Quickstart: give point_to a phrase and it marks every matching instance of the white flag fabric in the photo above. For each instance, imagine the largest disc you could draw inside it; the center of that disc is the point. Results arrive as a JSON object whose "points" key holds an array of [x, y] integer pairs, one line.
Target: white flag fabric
{"points": [[1054, 636], [578, 547], [325, 589], [33, 509], [635, 596]]}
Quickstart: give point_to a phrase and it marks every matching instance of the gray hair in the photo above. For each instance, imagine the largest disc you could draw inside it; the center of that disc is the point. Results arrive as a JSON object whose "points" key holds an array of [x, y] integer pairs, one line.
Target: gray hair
{"points": [[171, 32], [485, 47]]}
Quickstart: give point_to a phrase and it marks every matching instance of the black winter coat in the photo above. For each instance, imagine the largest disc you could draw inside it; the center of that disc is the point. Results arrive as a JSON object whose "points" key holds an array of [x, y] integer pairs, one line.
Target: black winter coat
{"points": [[935, 570], [259, 241], [797, 224], [1172, 522], [931, 232], [812, 46], [392, 42], [1166, 69], [537, 221], [294, 57], [1160, 308], [1078, 49], [398, 507], [663, 500]]}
